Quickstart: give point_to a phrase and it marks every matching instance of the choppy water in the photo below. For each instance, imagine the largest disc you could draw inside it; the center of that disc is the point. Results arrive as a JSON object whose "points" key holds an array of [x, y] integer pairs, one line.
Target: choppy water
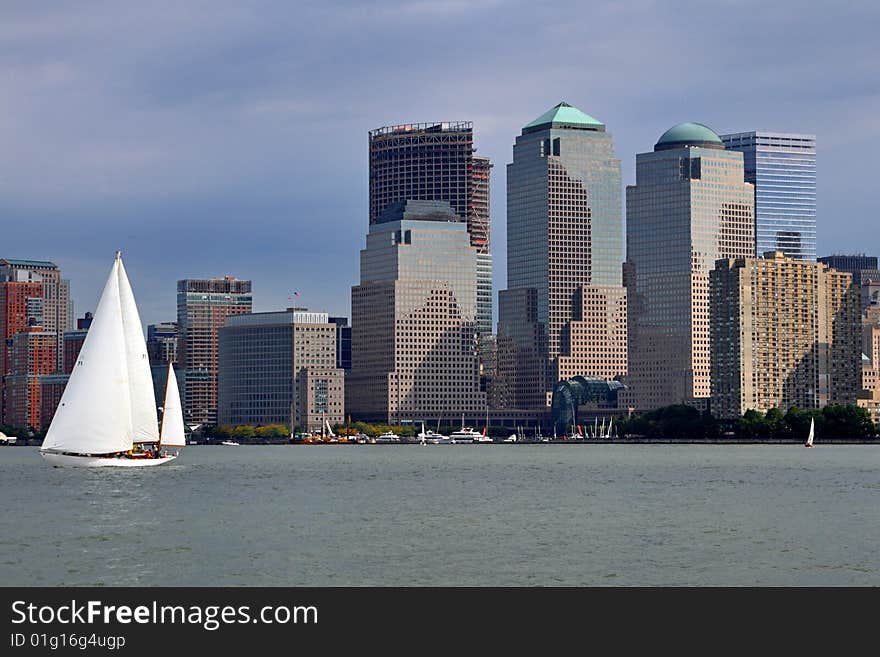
{"points": [[449, 515]]}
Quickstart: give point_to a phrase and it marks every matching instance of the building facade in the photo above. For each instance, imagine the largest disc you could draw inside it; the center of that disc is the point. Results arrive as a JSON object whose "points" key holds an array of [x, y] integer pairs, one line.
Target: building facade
{"points": [[202, 308], [437, 162], [280, 368], [864, 272], [689, 207], [784, 333], [33, 356], [782, 167], [564, 251], [52, 309], [414, 337]]}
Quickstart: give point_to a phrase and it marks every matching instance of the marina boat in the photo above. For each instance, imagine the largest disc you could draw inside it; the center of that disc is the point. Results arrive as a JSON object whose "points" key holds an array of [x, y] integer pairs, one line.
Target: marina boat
{"points": [[510, 439], [388, 437], [432, 438], [7, 440], [809, 442], [231, 443], [107, 413], [465, 434]]}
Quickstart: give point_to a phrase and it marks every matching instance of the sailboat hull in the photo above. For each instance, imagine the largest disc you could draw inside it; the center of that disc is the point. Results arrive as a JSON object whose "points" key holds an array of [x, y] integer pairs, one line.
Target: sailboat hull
{"points": [[69, 460]]}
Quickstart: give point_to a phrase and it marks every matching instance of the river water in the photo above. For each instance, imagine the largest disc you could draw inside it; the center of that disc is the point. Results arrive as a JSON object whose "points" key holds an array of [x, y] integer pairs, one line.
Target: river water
{"points": [[476, 515]]}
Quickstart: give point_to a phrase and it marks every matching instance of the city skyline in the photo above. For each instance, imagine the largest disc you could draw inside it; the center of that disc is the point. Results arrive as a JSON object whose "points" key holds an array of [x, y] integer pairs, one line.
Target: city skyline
{"points": [[119, 123]]}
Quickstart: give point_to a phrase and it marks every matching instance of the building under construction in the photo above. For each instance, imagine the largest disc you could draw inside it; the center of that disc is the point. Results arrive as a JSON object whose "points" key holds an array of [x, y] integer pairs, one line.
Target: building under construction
{"points": [[436, 162]]}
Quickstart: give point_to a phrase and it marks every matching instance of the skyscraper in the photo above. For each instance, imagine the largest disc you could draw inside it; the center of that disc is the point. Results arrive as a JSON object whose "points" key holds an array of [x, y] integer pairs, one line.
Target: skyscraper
{"points": [[689, 207], [784, 333], [414, 347], [565, 305], [436, 162], [202, 308], [782, 167]]}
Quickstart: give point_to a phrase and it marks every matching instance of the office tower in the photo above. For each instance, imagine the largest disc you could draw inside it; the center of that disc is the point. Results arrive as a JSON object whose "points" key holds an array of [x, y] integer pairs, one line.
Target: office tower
{"points": [[436, 162], [688, 208], [784, 333], [565, 305], [32, 356], [865, 274], [413, 341], [782, 167], [343, 342], [202, 308], [280, 368], [50, 309]]}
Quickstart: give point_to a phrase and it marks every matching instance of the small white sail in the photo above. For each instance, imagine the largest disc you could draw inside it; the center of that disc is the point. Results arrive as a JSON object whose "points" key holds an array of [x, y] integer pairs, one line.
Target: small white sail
{"points": [[610, 424], [94, 415], [809, 442], [144, 421], [172, 415]]}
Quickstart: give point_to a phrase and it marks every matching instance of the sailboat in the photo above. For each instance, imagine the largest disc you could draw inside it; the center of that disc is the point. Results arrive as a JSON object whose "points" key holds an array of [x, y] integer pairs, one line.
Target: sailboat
{"points": [[809, 442], [108, 409]]}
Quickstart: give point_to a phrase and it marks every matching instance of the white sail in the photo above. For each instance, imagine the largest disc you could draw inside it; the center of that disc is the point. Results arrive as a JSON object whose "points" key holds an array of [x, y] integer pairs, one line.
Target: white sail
{"points": [[144, 421], [172, 415], [94, 415], [812, 432]]}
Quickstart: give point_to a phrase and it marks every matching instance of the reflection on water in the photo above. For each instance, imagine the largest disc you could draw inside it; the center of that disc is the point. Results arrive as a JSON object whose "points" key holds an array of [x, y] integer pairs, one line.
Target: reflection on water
{"points": [[599, 515]]}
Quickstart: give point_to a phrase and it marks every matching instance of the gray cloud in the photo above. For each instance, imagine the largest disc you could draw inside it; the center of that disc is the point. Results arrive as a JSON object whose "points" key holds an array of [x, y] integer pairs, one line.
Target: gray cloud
{"points": [[211, 138]]}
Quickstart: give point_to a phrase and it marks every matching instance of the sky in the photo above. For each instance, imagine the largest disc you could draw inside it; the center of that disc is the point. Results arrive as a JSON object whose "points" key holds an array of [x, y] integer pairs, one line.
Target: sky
{"points": [[230, 137]]}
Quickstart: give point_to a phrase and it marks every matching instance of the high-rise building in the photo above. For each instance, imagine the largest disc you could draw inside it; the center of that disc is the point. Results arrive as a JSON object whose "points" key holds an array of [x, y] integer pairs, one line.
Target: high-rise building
{"points": [[565, 305], [689, 207], [280, 368], [33, 356], [864, 272], [782, 167], [49, 310], [436, 162], [202, 308], [414, 344], [784, 333]]}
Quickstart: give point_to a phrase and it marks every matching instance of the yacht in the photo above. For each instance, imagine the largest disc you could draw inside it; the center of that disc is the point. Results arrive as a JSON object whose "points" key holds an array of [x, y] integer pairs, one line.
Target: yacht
{"points": [[465, 435], [432, 438], [388, 437]]}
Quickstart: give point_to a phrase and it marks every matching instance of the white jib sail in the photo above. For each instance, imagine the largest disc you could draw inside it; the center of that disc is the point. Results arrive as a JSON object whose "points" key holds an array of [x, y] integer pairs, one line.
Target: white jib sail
{"points": [[94, 415], [144, 421], [172, 417]]}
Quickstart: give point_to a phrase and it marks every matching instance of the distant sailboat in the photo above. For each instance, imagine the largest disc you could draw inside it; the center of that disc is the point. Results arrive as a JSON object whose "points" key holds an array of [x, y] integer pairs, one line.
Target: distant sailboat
{"points": [[809, 442], [108, 405]]}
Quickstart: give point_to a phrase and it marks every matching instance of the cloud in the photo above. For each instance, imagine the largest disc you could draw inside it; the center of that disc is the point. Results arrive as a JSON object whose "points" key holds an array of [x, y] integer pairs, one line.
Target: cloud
{"points": [[225, 137]]}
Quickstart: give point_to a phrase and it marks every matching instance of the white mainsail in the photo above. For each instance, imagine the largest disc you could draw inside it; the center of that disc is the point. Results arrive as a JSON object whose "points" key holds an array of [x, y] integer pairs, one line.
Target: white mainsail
{"points": [[144, 422], [94, 415], [809, 442], [172, 416]]}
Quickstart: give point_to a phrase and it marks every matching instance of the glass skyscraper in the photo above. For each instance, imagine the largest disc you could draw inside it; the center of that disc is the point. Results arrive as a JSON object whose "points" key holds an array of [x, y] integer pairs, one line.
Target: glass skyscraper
{"points": [[782, 167], [564, 242]]}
